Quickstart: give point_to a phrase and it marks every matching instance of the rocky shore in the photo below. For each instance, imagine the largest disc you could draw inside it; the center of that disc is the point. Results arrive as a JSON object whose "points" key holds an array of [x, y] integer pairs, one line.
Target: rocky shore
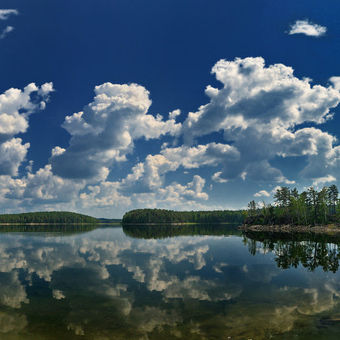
{"points": [[287, 228]]}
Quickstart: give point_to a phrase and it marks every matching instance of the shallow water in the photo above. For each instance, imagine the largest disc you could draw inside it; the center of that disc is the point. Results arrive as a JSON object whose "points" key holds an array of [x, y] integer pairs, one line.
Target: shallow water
{"points": [[185, 282]]}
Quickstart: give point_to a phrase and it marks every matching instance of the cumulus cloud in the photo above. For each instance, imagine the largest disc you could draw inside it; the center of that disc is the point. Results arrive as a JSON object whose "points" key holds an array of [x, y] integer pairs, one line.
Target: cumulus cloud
{"points": [[12, 153], [105, 194], [262, 193], [323, 180], [150, 174], [306, 27], [104, 132], [257, 109], [6, 13], [193, 190], [15, 108], [336, 82], [216, 177], [6, 31], [16, 105]]}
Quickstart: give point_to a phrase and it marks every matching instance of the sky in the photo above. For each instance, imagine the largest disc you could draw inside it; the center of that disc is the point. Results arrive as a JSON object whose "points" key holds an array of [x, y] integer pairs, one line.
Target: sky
{"points": [[112, 105]]}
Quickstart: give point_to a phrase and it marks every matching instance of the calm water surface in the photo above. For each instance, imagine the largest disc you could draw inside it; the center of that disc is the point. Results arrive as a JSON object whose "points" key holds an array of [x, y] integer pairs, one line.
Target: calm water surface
{"points": [[208, 282]]}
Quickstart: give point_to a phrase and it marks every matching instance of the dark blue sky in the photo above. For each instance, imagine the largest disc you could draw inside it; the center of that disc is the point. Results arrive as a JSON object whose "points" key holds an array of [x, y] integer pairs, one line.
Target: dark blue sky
{"points": [[169, 47]]}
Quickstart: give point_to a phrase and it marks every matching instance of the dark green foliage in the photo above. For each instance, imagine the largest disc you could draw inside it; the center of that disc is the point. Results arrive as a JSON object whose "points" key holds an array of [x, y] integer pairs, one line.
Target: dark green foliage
{"points": [[170, 216], [308, 208], [164, 231], [52, 217]]}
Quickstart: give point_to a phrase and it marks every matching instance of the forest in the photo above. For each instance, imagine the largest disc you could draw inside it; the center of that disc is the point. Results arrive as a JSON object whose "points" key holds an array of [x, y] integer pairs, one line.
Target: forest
{"points": [[159, 216], [52, 217], [311, 207]]}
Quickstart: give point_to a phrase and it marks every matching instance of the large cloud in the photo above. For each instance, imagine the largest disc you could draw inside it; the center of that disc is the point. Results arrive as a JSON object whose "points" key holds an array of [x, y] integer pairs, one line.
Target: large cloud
{"points": [[105, 130], [258, 109]]}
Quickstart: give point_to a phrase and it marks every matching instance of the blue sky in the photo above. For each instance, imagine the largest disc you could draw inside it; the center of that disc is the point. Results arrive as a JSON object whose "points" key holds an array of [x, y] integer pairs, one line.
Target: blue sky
{"points": [[170, 104]]}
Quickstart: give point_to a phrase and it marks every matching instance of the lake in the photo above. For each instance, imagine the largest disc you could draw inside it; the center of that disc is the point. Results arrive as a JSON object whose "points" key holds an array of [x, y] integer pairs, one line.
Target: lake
{"points": [[169, 282]]}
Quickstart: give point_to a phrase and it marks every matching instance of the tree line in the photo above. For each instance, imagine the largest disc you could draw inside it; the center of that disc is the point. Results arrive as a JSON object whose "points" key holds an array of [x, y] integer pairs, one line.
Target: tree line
{"points": [[311, 207], [52, 217], [170, 216]]}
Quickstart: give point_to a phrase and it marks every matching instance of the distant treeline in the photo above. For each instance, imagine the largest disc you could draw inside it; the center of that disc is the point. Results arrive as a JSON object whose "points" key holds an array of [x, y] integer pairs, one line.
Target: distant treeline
{"points": [[170, 216], [109, 220], [52, 217], [311, 207]]}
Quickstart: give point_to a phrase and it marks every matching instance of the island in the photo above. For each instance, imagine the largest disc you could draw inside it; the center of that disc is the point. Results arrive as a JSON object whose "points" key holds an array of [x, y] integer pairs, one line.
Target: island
{"points": [[47, 217]]}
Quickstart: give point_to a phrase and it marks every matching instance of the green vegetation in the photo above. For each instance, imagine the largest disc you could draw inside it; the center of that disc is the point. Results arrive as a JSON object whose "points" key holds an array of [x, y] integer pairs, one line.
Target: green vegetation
{"points": [[159, 216], [51, 217], [311, 207]]}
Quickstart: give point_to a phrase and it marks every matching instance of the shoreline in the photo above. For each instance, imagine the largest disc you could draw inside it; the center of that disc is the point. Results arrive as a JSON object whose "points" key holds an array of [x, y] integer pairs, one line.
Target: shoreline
{"points": [[177, 223], [287, 228], [56, 224]]}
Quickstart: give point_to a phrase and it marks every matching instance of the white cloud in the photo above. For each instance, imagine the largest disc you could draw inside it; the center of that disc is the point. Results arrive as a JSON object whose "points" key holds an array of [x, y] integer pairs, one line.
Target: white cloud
{"points": [[336, 82], [105, 194], [104, 132], [12, 154], [174, 114], [262, 193], [15, 107], [6, 31], [150, 174], [216, 177], [323, 180], [6, 13], [308, 28], [257, 109], [193, 190]]}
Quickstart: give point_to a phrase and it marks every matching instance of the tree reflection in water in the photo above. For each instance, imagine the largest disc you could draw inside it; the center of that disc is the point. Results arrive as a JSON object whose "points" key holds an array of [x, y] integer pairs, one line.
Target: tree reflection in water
{"points": [[149, 231], [291, 250]]}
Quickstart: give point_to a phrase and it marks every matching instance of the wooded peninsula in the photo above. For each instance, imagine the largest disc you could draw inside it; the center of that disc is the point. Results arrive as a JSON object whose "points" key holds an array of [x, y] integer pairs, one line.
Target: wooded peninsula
{"points": [[47, 217], [310, 208], [161, 216]]}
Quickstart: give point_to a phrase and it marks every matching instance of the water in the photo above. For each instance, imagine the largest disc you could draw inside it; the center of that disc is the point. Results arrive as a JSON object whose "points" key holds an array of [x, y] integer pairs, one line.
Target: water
{"points": [[188, 282]]}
